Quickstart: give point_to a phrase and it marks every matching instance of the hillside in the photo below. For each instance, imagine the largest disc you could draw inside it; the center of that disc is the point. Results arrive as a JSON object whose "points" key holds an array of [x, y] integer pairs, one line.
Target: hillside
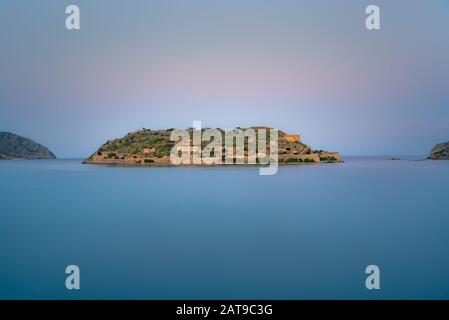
{"points": [[440, 152], [152, 147], [13, 146]]}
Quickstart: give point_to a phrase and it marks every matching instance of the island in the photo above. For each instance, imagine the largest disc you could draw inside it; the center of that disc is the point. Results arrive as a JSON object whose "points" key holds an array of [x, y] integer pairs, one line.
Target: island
{"points": [[13, 147], [148, 147], [440, 152]]}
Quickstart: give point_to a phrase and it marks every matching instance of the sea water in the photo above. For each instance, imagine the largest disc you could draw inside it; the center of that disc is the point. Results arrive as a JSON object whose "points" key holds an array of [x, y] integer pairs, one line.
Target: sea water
{"points": [[307, 232]]}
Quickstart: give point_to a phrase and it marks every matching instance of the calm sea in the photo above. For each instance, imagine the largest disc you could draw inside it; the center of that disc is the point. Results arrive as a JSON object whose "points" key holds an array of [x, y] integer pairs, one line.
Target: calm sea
{"points": [[205, 233]]}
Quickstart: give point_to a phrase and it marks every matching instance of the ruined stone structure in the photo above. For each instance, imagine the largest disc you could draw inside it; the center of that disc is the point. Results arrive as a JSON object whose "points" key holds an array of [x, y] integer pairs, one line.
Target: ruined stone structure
{"points": [[292, 150], [292, 138]]}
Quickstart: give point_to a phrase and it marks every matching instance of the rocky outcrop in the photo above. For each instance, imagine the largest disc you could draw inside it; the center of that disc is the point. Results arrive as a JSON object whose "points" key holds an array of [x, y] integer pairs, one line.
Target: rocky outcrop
{"points": [[13, 146], [440, 152]]}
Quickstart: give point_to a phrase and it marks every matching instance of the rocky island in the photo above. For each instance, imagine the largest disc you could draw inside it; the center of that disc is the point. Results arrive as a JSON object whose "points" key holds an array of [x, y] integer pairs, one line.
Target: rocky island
{"points": [[147, 147], [440, 152], [13, 146]]}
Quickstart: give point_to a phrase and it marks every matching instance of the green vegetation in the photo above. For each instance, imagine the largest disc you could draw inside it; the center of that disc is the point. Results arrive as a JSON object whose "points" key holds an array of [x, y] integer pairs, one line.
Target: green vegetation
{"points": [[135, 142], [328, 159]]}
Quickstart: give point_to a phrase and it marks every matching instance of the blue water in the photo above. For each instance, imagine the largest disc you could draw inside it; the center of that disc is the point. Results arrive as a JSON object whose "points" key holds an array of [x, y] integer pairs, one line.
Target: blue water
{"points": [[205, 233]]}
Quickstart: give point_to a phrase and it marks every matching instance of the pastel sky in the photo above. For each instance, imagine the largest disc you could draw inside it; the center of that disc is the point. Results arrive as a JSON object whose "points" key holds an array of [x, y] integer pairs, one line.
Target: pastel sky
{"points": [[308, 67]]}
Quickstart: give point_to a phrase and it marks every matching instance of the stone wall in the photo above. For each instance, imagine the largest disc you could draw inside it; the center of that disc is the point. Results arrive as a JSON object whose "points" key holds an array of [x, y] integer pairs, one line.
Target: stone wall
{"points": [[335, 155], [288, 157]]}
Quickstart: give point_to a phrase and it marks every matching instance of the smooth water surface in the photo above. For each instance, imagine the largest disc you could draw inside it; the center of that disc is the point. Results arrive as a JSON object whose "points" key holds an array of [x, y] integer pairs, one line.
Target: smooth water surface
{"points": [[204, 233]]}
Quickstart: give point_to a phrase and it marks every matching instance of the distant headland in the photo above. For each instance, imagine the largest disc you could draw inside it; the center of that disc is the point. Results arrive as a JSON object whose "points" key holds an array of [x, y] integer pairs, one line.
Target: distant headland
{"points": [[147, 147], [440, 152], [13, 146]]}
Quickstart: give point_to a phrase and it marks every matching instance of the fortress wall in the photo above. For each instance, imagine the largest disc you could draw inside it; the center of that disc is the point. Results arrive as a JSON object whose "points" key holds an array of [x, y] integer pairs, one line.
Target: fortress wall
{"points": [[313, 156], [336, 155]]}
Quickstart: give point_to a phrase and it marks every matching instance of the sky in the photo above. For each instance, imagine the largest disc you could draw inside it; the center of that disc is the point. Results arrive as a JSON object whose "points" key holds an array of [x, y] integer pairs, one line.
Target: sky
{"points": [[308, 67]]}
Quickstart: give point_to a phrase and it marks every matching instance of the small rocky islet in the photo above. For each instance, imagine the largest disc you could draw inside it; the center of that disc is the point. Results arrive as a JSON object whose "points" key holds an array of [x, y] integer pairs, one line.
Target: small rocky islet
{"points": [[440, 152], [153, 147]]}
